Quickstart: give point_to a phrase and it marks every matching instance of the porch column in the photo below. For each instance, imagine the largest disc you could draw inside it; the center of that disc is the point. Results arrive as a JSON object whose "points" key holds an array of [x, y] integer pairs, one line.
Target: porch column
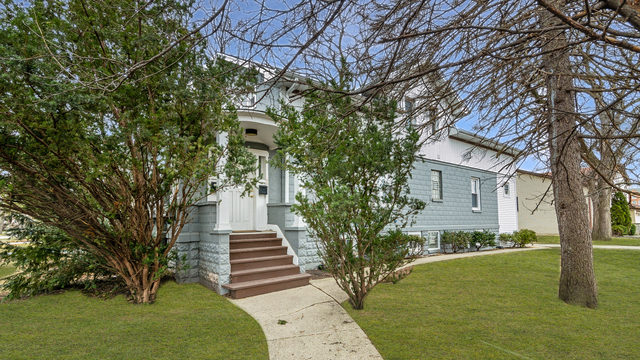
{"points": [[286, 186], [215, 267]]}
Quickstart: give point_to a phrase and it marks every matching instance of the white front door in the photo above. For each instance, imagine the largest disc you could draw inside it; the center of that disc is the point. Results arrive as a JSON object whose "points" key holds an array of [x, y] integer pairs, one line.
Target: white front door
{"points": [[247, 212]]}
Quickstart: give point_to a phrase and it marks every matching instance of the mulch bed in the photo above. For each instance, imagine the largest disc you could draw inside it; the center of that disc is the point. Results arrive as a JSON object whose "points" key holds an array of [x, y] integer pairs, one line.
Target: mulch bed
{"points": [[318, 274]]}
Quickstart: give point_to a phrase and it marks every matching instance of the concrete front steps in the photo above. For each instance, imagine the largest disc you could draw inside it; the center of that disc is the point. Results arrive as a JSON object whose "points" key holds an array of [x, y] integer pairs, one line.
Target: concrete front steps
{"points": [[260, 265]]}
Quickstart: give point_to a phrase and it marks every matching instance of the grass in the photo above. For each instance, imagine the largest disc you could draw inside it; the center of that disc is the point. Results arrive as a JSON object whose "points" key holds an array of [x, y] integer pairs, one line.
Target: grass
{"points": [[6, 270], [186, 322], [625, 241], [505, 307]]}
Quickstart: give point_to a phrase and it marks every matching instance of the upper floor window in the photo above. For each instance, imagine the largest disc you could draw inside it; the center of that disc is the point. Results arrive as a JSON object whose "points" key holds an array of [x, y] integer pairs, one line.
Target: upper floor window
{"points": [[475, 193], [409, 105], [249, 100], [506, 189], [436, 185]]}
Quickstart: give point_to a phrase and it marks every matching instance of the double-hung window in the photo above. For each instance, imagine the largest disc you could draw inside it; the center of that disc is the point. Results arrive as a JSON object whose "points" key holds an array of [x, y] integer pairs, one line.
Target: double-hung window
{"points": [[436, 185], [506, 189], [475, 193]]}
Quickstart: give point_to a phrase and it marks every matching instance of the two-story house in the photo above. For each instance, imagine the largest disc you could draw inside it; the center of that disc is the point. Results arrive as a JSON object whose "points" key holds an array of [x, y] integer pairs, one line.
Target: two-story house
{"points": [[256, 244]]}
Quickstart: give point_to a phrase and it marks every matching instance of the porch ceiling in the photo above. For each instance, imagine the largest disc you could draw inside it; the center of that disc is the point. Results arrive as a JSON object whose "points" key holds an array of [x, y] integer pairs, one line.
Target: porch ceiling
{"points": [[265, 126]]}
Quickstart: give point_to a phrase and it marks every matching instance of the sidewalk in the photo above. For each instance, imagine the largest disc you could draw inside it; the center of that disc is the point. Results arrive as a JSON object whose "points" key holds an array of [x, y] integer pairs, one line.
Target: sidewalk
{"points": [[612, 247], [444, 257]]}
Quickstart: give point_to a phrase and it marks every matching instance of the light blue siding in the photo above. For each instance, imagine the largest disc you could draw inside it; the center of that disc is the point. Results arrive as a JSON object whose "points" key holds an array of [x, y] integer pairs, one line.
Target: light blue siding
{"points": [[454, 211]]}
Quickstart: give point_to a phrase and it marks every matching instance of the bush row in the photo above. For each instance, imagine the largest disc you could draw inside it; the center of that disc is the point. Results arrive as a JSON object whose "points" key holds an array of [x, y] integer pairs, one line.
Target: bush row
{"points": [[620, 230], [461, 240], [520, 238]]}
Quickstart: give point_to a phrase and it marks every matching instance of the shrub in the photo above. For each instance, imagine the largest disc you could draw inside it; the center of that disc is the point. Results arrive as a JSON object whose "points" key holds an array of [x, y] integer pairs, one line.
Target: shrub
{"points": [[49, 261], [506, 238], [632, 229], [483, 239], [458, 240], [523, 237], [618, 230]]}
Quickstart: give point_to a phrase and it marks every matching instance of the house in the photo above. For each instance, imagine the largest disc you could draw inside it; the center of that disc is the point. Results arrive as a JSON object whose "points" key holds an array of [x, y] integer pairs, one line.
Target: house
{"points": [[468, 184], [634, 208], [536, 208], [256, 244]]}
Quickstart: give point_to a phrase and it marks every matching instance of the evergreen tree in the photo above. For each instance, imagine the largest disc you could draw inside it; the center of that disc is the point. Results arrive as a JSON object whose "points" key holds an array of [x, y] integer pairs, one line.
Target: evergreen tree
{"points": [[354, 165], [620, 213], [110, 111]]}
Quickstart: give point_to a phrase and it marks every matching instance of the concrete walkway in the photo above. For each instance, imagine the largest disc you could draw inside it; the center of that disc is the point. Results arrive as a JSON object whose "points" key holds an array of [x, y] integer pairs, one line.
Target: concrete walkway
{"points": [[444, 257], [317, 326], [309, 323]]}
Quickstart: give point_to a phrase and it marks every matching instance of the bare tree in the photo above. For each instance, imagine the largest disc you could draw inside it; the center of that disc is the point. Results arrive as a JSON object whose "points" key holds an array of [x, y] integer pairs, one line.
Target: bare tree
{"points": [[557, 79], [534, 76]]}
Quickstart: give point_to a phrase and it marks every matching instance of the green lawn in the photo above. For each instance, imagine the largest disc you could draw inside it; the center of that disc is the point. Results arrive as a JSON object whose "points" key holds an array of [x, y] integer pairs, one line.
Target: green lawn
{"points": [[625, 241], [505, 307], [186, 322], [6, 271]]}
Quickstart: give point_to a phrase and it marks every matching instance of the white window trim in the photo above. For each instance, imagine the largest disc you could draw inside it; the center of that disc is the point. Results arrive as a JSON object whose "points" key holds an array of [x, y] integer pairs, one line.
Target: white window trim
{"points": [[441, 195], [477, 181], [437, 244], [506, 189]]}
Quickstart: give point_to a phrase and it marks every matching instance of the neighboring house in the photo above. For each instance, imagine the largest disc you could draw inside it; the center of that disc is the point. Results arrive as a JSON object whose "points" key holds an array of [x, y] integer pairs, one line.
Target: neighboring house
{"points": [[458, 176], [634, 208], [536, 208]]}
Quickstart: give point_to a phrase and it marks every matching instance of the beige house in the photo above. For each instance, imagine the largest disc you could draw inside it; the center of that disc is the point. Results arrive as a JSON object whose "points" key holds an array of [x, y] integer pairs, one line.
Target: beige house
{"points": [[536, 208]]}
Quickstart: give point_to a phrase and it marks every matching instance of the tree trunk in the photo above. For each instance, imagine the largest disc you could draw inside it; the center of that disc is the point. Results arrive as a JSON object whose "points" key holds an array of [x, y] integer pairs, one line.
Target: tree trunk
{"points": [[577, 279], [601, 214], [140, 279]]}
